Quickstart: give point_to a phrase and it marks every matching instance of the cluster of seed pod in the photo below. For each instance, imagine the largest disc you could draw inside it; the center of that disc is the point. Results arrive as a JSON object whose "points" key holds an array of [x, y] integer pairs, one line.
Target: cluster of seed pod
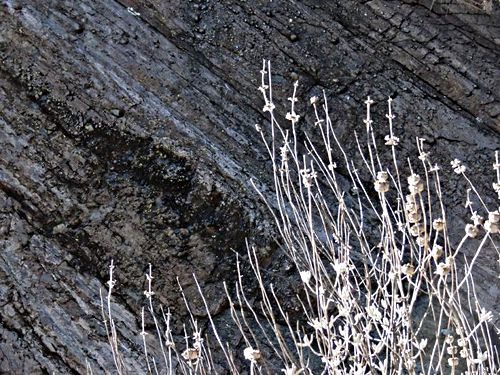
{"points": [[412, 209], [492, 225], [381, 183], [415, 184]]}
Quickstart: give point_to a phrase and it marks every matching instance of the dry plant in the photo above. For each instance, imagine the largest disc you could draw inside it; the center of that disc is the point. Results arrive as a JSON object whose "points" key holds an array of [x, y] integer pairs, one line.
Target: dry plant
{"points": [[385, 288]]}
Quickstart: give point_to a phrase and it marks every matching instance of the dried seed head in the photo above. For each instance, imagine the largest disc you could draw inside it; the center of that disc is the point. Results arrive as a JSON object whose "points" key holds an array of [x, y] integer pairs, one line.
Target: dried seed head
{"points": [[417, 230], [408, 269], [424, 156], [414, 217], [382, 176], [305, 276], [410, 364], [251, 354], [485, 316], [491, 227], [416, 189], [477, 219], [481, 357], [438, 224], [464, 353], [374, 313], [494, 217], [413, 179], [496, 187], [457, 166], [421, 241], [391, 140], [268, 107], [411, 206], [190, 354], [381, 186], [453, 362], [293, 117], [452, 350], [471, 230], [437, 251], [443, 269]]}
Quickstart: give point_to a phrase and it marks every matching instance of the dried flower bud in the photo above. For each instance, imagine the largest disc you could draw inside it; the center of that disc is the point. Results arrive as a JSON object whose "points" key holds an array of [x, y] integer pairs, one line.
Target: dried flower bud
{"points": [[438, 224], [313, 99]]}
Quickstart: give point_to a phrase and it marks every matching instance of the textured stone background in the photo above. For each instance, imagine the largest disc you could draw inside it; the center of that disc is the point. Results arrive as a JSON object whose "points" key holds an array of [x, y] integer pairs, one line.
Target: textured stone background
{"points": [[131, 137]]}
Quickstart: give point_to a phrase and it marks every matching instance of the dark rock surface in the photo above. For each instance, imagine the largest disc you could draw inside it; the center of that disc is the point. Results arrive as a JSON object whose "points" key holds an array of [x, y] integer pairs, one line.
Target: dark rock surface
{"points": [[127, 133]]}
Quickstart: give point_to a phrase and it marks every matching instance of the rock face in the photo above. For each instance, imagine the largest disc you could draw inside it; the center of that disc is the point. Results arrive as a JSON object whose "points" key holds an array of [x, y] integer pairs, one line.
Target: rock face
{"points": [[127, 133]]}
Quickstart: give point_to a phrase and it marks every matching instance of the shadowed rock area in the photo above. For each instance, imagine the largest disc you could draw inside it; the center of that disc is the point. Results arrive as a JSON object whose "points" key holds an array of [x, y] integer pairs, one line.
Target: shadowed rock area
{"points": [[127, 133]]}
